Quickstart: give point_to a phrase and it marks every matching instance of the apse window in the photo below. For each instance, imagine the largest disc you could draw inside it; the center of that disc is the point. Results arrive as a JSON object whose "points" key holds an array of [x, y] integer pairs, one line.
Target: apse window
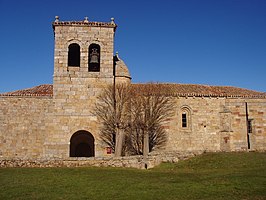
{"points": [[184, 120], [94, 58], [185, 116], [74, 55]]}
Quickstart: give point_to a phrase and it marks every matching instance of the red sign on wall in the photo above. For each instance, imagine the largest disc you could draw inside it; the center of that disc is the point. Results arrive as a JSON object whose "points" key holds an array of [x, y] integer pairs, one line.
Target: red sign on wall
{"points": [[109, 150]]}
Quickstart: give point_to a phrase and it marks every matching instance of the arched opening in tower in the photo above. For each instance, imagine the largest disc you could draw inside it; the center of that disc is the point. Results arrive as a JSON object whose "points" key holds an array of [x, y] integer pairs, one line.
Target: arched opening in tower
{"points": [[74, 55], [82, 144], [94, 58]]}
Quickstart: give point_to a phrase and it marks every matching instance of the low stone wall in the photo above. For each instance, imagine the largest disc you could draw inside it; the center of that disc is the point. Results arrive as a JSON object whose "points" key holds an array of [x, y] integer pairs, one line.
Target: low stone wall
{"points": [[138, 162], [174, 156], [133, 162]]}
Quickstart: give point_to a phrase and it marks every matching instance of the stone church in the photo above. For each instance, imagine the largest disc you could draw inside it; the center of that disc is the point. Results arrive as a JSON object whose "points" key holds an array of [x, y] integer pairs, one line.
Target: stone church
{"points": [[55, 121]]}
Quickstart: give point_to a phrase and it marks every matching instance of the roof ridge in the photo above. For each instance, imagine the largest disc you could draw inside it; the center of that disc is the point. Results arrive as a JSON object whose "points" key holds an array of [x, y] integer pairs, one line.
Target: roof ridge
{"points": [[194, 84], [169, 89], [180, 89]]}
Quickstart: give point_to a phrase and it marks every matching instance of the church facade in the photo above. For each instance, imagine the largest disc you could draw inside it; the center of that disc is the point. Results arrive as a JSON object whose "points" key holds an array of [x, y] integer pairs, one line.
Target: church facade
{"points": [[56, 121]]}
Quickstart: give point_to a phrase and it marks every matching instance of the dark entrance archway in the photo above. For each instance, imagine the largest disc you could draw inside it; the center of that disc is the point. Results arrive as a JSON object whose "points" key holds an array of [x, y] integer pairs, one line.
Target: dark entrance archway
{"points": [[82, 144]]}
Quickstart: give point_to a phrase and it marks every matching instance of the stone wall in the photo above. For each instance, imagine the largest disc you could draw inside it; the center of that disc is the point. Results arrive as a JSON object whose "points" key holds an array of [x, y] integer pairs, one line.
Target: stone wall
{"points": [[216, 124], [24, 126], [132, 161], [256, 110], [203, 128], [30, 127]]}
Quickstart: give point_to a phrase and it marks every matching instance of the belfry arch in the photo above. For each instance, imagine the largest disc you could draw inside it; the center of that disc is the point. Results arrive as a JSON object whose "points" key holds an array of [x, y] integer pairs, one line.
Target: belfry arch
{"points": [[82, 144]]}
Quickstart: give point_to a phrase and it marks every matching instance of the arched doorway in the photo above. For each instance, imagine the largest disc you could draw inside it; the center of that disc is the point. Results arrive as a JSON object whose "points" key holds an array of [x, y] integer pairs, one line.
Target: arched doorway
{"points": [[82, 144]]}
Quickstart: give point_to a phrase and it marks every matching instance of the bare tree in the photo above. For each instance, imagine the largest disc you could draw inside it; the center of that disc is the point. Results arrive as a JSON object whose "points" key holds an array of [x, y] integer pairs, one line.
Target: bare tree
{"points": [[112, 109], [150, 110], [133, 120]]}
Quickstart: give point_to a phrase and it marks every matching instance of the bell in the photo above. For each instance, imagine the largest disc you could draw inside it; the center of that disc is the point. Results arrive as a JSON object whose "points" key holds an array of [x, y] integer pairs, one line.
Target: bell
{"points": [[94, 59], [94, 56]]}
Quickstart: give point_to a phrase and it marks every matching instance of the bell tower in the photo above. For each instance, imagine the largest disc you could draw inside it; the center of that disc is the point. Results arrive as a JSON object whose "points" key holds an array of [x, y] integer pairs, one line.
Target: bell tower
{"points": [[83, 60], [84, 47], [84, 63]]}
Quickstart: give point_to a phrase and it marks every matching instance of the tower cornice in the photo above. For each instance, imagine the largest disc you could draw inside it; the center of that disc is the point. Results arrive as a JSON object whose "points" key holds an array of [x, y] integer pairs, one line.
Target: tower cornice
{"points": [[85, 23]]}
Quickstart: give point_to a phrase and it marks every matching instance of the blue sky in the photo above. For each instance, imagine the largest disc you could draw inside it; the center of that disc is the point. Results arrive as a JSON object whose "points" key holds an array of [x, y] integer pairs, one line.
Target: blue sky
{"points": [[211, 42]]}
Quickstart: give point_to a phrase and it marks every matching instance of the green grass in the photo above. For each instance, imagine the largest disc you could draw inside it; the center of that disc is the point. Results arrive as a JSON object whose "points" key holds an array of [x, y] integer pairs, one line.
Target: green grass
{"points": [[209, 176]]}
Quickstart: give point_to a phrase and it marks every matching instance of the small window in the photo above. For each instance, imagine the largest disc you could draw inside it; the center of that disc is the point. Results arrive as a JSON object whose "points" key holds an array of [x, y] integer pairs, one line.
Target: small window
{"points": [[74, 55], [184, 120], [249, 126], [94, 58]]}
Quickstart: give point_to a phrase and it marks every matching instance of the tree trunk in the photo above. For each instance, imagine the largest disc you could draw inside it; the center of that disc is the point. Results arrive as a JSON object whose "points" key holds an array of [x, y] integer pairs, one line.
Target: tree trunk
{"points": [[119, 142], [146, 144], [145, 149]]}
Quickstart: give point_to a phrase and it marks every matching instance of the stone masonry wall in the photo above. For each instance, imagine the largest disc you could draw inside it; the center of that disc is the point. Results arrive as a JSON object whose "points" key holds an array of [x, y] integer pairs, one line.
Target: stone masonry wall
{"points": [[257, 113], [203, 131], [31, 129], [75, 89], [138, 162], [217, 124], [24, 126]]}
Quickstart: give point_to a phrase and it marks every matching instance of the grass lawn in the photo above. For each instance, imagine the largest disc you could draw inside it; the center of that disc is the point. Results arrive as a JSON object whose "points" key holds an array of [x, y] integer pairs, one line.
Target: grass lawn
{"points": [[209, 176]]}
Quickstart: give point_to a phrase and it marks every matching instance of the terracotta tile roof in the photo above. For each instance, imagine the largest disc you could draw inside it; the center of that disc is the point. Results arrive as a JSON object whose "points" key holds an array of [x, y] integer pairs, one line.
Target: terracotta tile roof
{"points": [[200, 90], [41, 90], [182, 90]]}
